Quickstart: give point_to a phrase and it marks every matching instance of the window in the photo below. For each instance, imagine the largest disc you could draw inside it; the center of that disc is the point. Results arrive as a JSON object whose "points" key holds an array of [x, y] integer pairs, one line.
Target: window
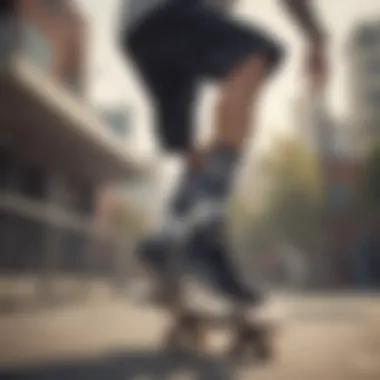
{"points": [[72, 249], [77, 197], [86, 200], [68, 194], [36, 46], [34, 183], [24, 179]]}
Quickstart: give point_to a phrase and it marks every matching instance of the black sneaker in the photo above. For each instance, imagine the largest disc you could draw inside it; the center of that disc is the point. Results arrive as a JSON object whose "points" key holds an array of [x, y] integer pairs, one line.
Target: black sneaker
{"points": [[152, 253], [207, 257], [211, 259]]}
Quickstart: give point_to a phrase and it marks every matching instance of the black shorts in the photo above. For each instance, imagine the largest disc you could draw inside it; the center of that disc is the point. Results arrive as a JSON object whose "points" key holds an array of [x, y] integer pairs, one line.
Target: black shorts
{"points": [[176, 47]]}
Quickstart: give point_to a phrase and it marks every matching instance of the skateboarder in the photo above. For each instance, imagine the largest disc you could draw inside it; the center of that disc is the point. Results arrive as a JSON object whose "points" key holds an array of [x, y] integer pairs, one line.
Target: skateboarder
{"points": [[175, 45]]}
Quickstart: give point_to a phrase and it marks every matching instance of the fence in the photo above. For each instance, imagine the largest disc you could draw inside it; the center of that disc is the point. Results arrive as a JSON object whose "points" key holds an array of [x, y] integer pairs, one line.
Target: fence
{"points": [[48, 254]]}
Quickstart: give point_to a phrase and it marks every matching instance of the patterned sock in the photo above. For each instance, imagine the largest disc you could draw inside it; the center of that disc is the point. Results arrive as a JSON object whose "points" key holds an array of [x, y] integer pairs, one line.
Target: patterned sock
{"points": [[218, 172], [187, 192], [213, 181]]}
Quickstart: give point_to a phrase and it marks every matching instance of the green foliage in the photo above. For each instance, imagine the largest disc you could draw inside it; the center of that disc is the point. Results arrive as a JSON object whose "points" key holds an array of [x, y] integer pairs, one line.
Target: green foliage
{"points": [[293, 204], [249, 226], [296, 204], [294, 168]]}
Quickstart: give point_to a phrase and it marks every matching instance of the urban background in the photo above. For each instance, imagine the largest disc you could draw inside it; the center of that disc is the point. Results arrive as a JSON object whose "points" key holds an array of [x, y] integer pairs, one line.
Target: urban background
{"points": [[76, 194], [66, 165]]}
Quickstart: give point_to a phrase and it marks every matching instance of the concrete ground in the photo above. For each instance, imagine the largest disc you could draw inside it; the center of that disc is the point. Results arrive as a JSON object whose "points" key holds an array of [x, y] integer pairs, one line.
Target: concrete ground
{"points": [[335, 337]]}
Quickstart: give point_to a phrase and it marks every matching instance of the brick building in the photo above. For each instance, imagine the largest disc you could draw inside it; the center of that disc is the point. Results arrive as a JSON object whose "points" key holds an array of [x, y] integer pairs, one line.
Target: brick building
{"points": [[54, 152]]}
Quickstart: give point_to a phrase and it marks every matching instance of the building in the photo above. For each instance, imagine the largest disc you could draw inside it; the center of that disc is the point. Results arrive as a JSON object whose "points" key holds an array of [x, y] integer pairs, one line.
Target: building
{"points": [[364, 84], [334, 144], [55, 153]]}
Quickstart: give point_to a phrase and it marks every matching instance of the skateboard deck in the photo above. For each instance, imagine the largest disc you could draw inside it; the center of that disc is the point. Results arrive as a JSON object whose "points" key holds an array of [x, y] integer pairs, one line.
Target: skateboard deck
{"points": [[251, 340]]}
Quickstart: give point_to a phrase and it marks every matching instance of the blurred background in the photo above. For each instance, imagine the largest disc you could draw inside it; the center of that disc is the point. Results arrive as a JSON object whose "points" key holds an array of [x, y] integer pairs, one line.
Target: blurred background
{"points": [[82, 178]]}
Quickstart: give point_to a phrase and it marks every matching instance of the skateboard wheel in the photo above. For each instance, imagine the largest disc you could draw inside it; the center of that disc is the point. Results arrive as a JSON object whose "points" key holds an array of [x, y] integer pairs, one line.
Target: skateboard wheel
{"points": [[187, 332], [263, 344], [252, 340]]}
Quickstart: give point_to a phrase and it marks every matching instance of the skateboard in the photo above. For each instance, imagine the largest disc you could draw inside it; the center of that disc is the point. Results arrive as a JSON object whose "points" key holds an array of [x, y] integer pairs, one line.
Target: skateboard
{"points": [[189, 328], [250, 340]]}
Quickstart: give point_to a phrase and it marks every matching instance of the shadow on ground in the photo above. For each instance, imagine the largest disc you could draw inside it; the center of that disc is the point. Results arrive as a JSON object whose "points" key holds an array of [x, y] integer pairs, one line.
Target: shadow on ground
{"points": [[147, 365]]}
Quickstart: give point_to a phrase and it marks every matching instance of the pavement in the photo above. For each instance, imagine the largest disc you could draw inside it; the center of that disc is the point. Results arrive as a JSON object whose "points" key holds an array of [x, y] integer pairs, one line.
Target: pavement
{"points": [[319, 337]]}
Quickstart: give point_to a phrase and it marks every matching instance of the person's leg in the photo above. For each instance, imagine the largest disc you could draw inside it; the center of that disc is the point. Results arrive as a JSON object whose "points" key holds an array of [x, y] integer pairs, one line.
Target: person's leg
{"points": [[190, 42], [234, 120], [172, 96], [172, 92], [204, 44], [240, 60], [239, 91], [238, 95], [233, 114]]}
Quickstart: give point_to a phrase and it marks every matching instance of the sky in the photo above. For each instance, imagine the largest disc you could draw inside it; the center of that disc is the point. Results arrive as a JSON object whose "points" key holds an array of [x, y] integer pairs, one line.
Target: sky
{"points": [[111, 80]]}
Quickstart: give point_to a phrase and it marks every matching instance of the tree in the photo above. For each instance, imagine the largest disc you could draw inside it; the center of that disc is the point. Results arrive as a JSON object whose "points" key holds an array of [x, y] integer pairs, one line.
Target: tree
{"points": [[297, 198]]}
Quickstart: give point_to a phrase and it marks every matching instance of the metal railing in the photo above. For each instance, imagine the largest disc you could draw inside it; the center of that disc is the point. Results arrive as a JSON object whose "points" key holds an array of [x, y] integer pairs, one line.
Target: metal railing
{"points": [[51, 269]]}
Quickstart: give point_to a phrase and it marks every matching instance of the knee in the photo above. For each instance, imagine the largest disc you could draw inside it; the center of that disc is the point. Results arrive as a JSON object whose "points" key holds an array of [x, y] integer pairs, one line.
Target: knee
{"points": [[266, 60], [252, 70], [246, 80], [261, 65]]}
